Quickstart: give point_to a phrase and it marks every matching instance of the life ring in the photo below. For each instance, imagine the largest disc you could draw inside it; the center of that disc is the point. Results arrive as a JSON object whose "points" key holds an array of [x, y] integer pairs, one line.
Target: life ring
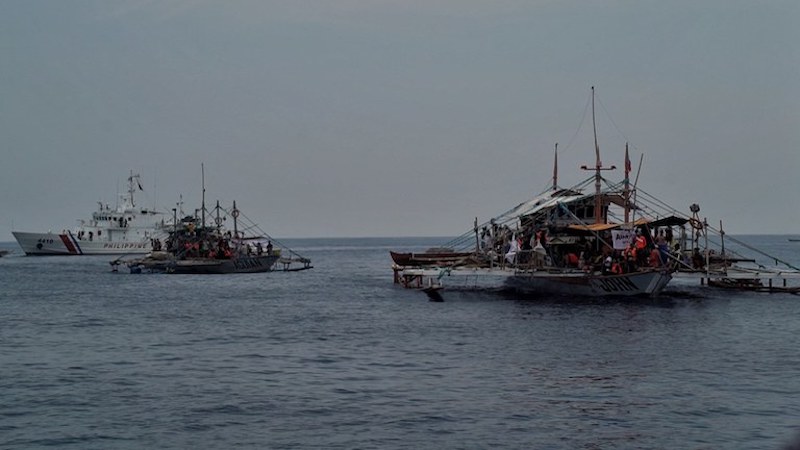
{"points": [[696, 224]]}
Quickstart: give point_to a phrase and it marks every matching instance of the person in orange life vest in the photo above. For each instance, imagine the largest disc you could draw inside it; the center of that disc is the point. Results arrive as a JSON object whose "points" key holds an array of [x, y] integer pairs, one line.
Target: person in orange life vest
{"points": [[655, 258], [641, 246], [616, 267], [572, 260], [629, 256]]}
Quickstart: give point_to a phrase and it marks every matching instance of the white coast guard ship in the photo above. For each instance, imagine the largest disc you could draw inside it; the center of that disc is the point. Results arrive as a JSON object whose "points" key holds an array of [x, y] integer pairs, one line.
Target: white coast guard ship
{"points": [[121, 230]]}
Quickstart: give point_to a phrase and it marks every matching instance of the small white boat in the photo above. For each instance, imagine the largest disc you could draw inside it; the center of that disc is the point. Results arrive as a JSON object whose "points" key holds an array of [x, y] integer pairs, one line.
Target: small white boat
{"points": [[125, 229]]}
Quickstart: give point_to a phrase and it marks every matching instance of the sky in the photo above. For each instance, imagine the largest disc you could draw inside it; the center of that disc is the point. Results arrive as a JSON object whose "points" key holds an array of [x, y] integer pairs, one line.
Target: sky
{"points": [[356, 118]]}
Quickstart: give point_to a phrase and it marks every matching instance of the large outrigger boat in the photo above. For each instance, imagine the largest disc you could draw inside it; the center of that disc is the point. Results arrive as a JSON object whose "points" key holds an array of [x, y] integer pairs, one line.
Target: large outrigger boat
{"points": [[613, 240], [566, 241], [125, 229]]}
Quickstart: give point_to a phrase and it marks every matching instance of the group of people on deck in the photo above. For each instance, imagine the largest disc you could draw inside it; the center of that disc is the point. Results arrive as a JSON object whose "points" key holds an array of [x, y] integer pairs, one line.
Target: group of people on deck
{"points": [[529, 247], [82, 233], [190, 244], [643, 251], [505, 246]]}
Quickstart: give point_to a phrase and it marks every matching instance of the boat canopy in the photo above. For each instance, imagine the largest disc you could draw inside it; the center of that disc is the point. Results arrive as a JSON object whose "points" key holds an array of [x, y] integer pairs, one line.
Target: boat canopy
{"points": [[542, 202], [669, 221]]}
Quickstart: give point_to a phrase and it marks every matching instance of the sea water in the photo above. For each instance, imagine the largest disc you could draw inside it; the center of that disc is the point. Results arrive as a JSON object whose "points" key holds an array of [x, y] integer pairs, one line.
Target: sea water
{"points": [[340, 358]]}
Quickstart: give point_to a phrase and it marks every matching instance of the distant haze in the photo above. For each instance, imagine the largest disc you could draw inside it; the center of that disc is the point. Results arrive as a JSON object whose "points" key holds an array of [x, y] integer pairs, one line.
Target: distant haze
{"points": [[382, 118]]}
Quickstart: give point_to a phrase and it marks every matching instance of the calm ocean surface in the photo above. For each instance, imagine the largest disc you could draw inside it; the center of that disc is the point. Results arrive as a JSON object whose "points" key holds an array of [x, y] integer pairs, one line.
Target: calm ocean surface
{"points": [[340, 358]]}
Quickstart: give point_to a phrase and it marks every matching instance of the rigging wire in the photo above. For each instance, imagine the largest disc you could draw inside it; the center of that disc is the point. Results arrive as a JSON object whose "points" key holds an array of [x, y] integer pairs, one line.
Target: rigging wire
{"points": [[580, 126], [252, 225]]}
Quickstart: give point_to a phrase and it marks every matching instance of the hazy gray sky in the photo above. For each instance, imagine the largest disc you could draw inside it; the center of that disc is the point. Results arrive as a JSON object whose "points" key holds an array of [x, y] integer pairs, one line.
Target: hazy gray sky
{"points": [[395, 118]]}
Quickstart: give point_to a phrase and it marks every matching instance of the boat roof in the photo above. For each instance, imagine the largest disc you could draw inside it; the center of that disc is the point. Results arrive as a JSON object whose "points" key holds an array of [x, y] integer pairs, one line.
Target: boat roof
{"points": [[543, 201], [607, 226]]}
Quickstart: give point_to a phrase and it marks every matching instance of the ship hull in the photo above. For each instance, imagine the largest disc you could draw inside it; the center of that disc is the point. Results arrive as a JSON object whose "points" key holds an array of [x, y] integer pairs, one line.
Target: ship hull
{"points": [[646, 283], [248, 264], [572, 284], [203, 266], [43, 244]]}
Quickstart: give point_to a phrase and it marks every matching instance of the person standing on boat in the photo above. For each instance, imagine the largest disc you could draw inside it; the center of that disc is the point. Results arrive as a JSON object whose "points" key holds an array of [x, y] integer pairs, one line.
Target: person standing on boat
{"points": [[616, 267], [488, 245], [269, 247], [607, 263], [698, 262], [641, 248], [663, 247], [629, 256]]}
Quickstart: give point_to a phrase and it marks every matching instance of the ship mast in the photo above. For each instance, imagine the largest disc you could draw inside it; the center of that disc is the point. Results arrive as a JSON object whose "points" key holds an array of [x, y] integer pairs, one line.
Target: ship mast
{"points": [[627, 191], [132, 189], [555, 168], [235, 214], [598, 201], [203, 199]]}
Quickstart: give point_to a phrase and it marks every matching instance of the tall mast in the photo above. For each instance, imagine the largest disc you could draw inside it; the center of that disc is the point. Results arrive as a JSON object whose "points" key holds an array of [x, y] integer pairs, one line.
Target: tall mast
{"points": [[203, 201], [598, 204], [132, 189], [627, 191], [598, 201], [235, 214], [218, 219], [555, 168]]}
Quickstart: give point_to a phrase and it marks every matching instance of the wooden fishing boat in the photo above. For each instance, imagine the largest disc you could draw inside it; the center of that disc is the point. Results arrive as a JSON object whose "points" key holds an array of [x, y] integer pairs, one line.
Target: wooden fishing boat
{"points": [[195, 247], [429, 258]]}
